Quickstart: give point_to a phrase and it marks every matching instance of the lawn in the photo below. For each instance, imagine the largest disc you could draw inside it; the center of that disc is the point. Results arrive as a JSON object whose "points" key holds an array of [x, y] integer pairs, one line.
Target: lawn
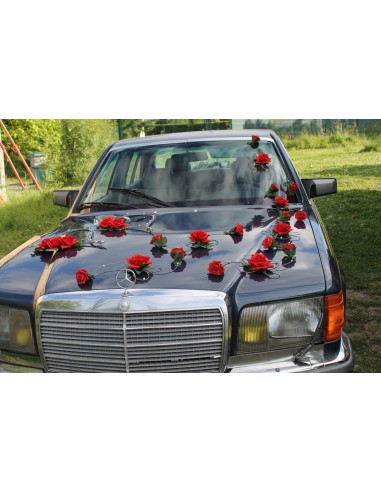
{"points": [[352, 218]]}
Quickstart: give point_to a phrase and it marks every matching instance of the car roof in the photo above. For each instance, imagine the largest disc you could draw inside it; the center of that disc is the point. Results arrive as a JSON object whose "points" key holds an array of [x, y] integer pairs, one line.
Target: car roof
{"points": [[189, 136]]}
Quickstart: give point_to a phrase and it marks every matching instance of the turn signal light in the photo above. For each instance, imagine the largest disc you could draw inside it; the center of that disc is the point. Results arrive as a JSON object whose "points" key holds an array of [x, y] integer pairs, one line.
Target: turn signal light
{"points": [[334, 321]]}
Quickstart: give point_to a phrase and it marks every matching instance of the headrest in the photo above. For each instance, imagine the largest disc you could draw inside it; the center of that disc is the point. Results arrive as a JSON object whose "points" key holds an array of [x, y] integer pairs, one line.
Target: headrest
{"points": [[177, 164]]}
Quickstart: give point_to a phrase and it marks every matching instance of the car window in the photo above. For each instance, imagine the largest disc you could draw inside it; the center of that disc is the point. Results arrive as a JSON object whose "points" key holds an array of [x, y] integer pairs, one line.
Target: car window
{"points": [[184, 174]]}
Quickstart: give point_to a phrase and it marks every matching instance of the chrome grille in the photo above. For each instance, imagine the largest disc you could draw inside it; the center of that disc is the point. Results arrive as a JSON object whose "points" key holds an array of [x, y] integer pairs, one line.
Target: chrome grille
{"points": [[168, 341]]}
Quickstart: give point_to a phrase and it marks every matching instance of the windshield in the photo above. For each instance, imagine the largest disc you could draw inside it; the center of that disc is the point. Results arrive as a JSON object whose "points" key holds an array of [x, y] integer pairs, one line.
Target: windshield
{"points": [[187, 174]]}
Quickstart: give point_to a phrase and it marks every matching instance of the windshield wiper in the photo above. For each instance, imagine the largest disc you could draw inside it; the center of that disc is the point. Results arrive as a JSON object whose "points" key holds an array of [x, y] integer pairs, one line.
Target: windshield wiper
{"points": [[153, 199], [120, 206]]}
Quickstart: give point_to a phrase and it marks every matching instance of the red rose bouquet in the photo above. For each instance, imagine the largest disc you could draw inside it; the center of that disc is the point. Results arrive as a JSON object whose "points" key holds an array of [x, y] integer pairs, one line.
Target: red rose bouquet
{"points": [[57, 243], [112, 224]]}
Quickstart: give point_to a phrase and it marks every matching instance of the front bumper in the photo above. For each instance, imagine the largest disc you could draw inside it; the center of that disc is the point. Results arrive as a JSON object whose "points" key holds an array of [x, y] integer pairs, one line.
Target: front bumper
{"points": [[314, 361]]}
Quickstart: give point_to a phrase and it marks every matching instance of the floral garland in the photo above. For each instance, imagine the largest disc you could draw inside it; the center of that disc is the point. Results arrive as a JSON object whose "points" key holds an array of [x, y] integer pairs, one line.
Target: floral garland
{"points": [[141, 264]]}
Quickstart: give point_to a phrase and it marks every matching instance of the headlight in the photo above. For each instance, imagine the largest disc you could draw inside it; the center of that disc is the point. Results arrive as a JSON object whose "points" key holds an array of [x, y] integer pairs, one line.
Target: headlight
{"points": [[15, 330], [279, 325]]}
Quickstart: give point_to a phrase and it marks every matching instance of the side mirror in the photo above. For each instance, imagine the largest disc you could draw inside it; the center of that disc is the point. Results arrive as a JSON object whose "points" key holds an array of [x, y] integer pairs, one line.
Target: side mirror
{"points": [[320, 186], [64, 198]]}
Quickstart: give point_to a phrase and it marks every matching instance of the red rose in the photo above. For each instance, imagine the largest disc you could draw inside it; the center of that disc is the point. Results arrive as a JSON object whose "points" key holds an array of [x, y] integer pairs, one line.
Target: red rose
{"points": [[216, 268], [262, 158], [111, 223], [199, 237], [293, 187], [289, 249], [49, 243], [68, 242], [258, 261], [120, 223], [157, 237], [280, 201], [285, 216], [105, 223], [267, 242], [83, 276], [288, 246], [274, 187], [300, 215], [282, 229], [177, 254], [159, 241], [138, 262], [238, 229], [255, 138]]}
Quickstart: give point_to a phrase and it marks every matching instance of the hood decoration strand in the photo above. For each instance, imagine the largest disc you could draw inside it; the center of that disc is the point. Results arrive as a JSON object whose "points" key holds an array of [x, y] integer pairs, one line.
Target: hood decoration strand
{"points": [[140, 268]]}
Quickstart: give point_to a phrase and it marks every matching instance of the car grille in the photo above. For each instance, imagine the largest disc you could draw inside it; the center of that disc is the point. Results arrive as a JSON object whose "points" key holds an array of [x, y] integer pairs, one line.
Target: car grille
{"points": [[172, 341]]}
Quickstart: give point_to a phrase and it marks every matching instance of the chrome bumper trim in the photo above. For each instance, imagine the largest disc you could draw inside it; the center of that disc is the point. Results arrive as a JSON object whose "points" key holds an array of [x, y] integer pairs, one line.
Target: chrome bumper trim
{"points": [[315, 361]]}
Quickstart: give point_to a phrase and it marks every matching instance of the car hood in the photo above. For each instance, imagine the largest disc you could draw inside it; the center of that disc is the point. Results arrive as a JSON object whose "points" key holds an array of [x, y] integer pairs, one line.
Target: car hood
{"points": [[103, 254]]}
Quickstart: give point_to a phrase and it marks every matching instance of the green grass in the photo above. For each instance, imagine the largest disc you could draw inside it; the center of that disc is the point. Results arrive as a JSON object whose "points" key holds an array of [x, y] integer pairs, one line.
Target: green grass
{"points": [[352, 218], [27, 214]]}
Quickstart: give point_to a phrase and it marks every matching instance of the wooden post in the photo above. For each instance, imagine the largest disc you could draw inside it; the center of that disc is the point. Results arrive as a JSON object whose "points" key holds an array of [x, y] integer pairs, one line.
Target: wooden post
{"points": [[3, 190]]}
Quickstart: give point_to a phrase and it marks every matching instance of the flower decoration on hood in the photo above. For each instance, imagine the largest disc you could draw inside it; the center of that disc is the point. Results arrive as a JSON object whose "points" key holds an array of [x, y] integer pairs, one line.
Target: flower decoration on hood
{"points": [[177, 254], [272, 190], [200, 239], [284, 216], [237, 230], [300, 215], [280, 202], [139, 263], [257, 263], [159, 241], [289, 250], [269, 243], [57, 243], [216, 268], [83, 276], [112, 224], [281, 229]]}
